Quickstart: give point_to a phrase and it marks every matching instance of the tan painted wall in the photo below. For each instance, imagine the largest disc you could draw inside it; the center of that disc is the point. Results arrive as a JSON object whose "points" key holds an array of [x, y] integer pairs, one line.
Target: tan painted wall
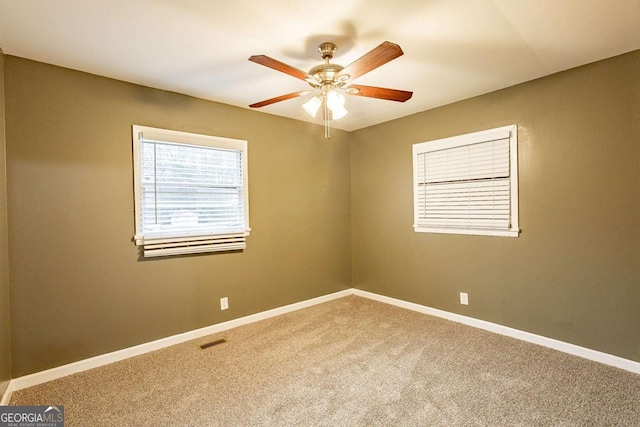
{"points": [[574, 273], [5, 335], [78, 287]]}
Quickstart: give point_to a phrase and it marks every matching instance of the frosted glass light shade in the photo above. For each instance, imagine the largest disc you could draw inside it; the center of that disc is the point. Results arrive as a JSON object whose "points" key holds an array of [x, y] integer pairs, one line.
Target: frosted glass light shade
{"points": [[338, 112], [312, 106], [335, 99], [335, 102]]}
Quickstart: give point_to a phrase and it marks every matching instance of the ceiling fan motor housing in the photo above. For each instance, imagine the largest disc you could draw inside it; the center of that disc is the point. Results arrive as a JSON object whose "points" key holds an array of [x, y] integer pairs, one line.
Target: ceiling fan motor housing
{"points": [[326, 73]]}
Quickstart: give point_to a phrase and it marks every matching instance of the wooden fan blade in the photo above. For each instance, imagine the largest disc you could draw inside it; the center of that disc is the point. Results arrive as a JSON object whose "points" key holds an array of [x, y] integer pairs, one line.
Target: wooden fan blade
{"points": [[278, 99], [376, 57], [382, 93], [279, 66]]}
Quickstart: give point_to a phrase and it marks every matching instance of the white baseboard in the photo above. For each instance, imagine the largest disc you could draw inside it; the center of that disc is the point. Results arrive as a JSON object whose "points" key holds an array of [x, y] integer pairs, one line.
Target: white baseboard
{"points": [[94, 362], [6, 397], [586, 353], [104, 359]]}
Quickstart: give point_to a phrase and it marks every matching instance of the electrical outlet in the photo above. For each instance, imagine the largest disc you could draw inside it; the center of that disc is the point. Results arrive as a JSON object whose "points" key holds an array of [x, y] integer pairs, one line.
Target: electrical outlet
{"points": [[224, 303], [464, 298]]}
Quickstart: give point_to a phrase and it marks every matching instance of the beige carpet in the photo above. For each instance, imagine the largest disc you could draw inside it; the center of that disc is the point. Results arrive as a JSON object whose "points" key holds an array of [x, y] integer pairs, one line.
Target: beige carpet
{"points": [[349, 362]]}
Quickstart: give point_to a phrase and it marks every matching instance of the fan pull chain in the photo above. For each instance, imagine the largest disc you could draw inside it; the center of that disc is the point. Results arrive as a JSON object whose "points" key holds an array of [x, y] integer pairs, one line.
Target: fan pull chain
{"points": [[327, 125]]}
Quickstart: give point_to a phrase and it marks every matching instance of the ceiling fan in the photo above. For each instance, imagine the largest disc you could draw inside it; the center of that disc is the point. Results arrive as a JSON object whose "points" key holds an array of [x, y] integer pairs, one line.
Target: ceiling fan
{"points": [[329, 81]]}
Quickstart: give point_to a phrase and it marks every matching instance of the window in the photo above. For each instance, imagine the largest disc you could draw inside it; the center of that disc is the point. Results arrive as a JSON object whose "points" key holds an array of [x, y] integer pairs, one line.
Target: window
{"points": [[467, 184], [191, 192]]}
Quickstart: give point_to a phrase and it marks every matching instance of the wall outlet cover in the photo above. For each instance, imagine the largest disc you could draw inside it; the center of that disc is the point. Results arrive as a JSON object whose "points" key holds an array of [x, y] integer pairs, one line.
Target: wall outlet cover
{"points": [[464, 298], [224, 303]]}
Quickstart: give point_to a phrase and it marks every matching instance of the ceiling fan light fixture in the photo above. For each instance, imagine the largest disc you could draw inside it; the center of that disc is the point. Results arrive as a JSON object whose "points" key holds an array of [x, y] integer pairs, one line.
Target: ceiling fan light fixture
{"points": [[313, 105], [335, 102], [335, 99], [338, 112]]}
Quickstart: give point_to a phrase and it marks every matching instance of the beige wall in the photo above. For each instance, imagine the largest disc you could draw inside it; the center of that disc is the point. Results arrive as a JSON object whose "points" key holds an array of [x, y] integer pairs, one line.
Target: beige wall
{"points": [[574, 272], [78, 286], [5, 335]]}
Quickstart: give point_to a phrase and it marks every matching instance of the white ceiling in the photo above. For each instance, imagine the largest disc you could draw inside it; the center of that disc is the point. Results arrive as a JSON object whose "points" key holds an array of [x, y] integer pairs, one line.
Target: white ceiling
{"points": [[454, 49]]}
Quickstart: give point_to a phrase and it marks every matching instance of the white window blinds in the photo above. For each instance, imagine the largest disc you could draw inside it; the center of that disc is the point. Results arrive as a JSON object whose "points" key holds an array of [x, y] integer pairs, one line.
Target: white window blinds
{"points": [[191, 192], [467, 184]]}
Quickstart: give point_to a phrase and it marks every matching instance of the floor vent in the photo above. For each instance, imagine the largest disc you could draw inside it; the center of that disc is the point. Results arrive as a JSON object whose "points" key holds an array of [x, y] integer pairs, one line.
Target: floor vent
{"points": [[212, 343]]}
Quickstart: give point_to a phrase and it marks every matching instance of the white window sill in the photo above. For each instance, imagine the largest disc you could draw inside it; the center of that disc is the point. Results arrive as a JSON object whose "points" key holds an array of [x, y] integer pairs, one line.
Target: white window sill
{"points": [[498, 233]]}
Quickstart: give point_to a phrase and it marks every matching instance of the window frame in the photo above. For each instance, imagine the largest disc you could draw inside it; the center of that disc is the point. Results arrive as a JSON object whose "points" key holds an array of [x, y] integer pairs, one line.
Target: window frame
{"points": [[163, 244], [510, 131]]}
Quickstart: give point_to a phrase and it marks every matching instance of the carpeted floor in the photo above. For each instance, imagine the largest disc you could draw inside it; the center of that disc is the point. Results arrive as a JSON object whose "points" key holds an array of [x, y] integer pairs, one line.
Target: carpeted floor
{"points": [[349, 362]]}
